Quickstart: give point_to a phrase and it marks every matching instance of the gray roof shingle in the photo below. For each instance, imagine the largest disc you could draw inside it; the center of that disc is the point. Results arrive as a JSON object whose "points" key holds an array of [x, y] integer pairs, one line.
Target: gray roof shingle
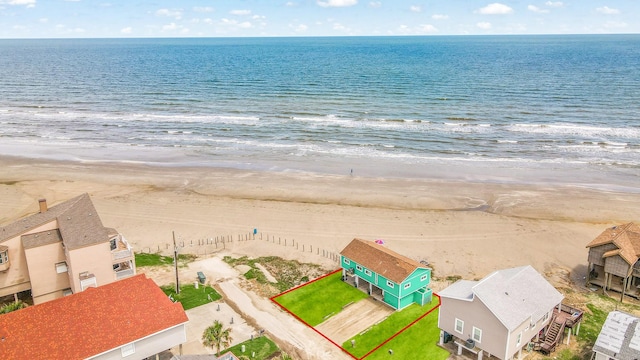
{"points": [[512, 295], [78, 223], [619, 337]]}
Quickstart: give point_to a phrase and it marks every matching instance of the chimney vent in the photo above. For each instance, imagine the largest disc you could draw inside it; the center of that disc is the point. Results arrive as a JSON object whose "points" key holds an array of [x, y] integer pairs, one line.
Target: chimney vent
{"points": [[43, 205]]}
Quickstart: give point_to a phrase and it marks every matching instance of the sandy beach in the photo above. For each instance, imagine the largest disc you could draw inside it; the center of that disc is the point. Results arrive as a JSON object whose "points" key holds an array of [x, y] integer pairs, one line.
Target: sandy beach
{"points": [[460, 228]]}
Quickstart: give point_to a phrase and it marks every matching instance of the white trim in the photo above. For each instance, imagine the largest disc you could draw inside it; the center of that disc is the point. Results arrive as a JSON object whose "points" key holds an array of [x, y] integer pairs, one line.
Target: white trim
{"points": [[406, 286], [424, 277], [391, 284], [346, 261], [455, 326], [473, 335], [148, 336], [128, 349], [359, 267], [519, 339], [367, 272]]}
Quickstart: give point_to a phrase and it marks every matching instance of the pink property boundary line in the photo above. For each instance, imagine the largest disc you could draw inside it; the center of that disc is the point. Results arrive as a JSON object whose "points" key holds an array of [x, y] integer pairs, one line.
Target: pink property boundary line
{"points": [[333, 342]]}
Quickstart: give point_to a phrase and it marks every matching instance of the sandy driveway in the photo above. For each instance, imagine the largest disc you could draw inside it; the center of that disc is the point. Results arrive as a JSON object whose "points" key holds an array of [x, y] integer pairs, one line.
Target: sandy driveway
{"points": [[305, 343], [354, 319]]}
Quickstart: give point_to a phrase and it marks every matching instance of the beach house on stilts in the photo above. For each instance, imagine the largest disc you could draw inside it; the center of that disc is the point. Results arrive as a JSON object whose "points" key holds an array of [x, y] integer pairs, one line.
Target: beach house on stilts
{"points": [[385, 275], [614, 259]]}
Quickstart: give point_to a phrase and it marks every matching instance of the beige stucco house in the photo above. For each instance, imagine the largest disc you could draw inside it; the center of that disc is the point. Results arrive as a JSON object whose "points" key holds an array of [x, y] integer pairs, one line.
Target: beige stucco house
{"points": [[60, 251], [499, 315], [614, 259]]}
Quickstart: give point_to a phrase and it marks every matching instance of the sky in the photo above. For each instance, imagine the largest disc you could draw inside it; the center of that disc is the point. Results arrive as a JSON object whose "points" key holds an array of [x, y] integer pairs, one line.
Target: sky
{"points": [[259, 18]]}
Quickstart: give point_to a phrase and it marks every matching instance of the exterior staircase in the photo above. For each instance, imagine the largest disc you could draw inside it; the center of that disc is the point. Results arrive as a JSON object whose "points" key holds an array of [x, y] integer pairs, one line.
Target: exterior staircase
{"points": [[553, 336]]}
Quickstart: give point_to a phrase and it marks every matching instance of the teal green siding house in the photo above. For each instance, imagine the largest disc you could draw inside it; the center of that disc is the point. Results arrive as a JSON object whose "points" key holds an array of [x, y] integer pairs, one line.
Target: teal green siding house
{"points": [[386, 275]]}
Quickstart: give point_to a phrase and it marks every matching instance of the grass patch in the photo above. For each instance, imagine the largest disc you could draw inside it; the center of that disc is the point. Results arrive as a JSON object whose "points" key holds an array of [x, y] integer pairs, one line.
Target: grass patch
{"points": [[191, 297], [416, 343], [143, 259], [262, 346], [313, 302], [394, 323]]}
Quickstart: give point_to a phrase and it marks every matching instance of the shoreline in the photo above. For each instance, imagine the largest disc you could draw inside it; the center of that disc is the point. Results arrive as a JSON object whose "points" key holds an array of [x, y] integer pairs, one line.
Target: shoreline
{"points": [[462, 228]]}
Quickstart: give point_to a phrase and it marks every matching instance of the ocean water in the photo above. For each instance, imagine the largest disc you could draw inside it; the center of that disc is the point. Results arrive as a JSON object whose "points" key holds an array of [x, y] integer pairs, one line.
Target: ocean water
{"points": [[524, 109]]}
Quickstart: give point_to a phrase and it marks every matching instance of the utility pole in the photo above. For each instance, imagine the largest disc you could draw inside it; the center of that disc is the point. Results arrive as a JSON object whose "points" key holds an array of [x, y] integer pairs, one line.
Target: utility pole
{"points": [[175, 261]]}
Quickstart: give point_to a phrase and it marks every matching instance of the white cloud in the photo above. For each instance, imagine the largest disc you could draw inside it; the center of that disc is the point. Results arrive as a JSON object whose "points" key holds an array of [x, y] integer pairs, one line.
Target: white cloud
{"points": [[299, 28], [337, 3], [615, 25], [495, 9], [258, 17], [126, 30], [484, 25], [439, 17], [208, 21], [177, 14], [607, 10], [536, 9], [19, 27], [236, 23], [555, 4], [43, 20], [29, 3], [415, 8], [375, 4], [291, 4], [427, 29], [240, 12], [203, 9]]}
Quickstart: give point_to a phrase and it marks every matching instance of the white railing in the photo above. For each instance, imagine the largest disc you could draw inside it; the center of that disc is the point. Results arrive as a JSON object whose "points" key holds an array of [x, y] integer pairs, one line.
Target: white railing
{"points": [[121, 254], [124, 274]]}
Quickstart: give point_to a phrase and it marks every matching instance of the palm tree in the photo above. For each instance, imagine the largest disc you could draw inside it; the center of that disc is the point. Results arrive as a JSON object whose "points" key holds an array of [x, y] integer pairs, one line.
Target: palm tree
{"points": [[216, 336], [285, 356]]}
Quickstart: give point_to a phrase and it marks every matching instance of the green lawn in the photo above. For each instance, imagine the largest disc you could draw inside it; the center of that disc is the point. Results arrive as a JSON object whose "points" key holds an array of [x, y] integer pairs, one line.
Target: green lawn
{"points": [[191, 297], [416, 343], [143, 259], [313, 302], [412, 342], [262, 346]]}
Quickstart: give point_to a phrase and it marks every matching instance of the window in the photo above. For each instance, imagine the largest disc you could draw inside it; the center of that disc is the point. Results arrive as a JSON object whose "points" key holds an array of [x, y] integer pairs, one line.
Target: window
{"points": [[359, 267], [518, 339], [367, 272], [4, 256], [128, 349], [545, 317], [407, 285], [477, 334], [390, 284], [61, 267], [459, 326], [347, 262], [424, 277]]}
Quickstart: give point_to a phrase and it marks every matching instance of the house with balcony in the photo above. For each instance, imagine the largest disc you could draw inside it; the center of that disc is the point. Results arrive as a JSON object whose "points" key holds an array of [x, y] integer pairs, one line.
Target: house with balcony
{"points": [[614, 259], [502, 314], [61, 250], [128, 319], [385, 275]]}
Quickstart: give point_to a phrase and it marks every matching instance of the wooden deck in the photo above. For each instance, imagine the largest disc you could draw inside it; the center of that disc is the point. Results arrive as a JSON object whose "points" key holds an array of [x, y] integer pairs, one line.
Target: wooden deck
{"points": [[567, 317]]}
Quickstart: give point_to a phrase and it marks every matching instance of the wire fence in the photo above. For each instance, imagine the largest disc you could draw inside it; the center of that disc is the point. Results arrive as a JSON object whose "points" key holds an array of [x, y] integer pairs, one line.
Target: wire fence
{"points": [[204, 247]]}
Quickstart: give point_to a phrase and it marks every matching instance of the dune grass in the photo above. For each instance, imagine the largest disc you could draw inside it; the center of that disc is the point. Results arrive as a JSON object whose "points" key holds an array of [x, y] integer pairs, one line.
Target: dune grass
{"points": [[317, 301]]}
